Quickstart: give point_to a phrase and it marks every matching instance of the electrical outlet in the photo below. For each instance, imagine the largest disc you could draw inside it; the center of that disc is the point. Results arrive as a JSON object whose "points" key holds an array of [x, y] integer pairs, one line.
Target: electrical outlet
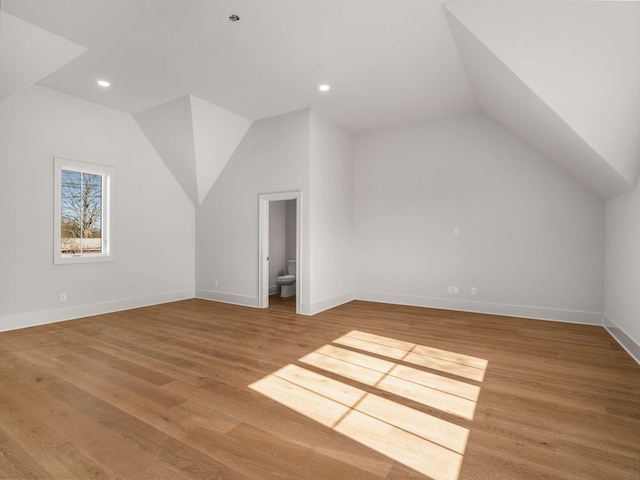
{"points": [[455, 289], [450, 290], [215, 283], [63, 297], [474, 291]]}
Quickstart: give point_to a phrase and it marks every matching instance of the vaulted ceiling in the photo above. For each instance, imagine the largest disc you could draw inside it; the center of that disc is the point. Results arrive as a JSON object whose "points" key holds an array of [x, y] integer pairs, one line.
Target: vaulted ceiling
{"points": [[561, 75]]}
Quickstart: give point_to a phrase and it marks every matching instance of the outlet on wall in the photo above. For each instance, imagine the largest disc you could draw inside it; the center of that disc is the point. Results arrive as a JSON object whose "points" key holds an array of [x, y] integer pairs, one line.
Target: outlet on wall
{"points": [[450, 290], [455, 289], [215, 283], [63, 297], [474, 291]]}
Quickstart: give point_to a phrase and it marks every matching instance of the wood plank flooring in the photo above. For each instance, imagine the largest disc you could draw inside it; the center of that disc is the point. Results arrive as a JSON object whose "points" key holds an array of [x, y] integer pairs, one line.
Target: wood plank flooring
{"points": [[203, 390]]}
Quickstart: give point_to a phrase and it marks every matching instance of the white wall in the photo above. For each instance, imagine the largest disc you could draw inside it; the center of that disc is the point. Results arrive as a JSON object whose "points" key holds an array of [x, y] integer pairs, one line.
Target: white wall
{"points": [[531, 239], [272, 157], [622, 292], [290, 229], [277, 243], [296, 151], [331, 215], [38, 123]]}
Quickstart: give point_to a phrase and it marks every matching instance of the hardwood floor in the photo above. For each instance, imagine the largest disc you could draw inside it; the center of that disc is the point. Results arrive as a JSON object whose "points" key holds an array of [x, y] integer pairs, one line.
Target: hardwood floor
{"points": [[203, 390]]}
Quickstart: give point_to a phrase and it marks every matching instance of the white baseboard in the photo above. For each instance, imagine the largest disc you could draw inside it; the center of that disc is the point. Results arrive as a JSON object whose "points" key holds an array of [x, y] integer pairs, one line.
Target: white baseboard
{"points": [[32, 319], [243, 300], [523, 311], [625, 341], [317, 307]]}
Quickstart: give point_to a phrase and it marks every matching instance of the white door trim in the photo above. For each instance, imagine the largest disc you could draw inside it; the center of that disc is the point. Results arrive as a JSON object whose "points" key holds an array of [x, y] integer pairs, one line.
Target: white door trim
{"points": [[263, 232]]}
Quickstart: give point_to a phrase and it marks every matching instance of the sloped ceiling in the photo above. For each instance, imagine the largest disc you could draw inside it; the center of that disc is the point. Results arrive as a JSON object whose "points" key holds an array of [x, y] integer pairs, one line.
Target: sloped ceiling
{"points": [[562, 76], [195, 139], [216, 135], [29, 53], [169, 128], [378, 55]]}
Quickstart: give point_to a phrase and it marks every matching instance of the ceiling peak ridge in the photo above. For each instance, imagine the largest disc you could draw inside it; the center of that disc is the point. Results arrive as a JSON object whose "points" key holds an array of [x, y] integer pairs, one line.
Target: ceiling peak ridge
{"points": [[195, 139]]}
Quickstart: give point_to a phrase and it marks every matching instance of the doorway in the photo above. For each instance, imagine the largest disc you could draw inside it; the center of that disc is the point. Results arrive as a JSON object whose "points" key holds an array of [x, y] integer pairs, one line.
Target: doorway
{"points": [[265, 282]]}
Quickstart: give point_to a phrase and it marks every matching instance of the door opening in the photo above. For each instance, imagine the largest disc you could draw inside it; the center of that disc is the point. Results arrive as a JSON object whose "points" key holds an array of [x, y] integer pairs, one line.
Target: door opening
{"points": [[280, 252]]}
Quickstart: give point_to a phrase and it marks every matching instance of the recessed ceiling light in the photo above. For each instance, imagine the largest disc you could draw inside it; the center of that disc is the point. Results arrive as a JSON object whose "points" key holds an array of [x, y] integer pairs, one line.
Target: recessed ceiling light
{"points": [[324, 87], [104, 83]]}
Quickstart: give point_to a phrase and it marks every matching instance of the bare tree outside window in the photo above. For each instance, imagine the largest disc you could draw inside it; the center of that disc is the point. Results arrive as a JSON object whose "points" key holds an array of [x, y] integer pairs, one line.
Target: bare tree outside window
{"points": [[81, 212]]}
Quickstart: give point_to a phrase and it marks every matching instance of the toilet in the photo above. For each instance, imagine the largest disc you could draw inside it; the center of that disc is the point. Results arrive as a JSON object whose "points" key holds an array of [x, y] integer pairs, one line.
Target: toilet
{"points": [[288, 282]]}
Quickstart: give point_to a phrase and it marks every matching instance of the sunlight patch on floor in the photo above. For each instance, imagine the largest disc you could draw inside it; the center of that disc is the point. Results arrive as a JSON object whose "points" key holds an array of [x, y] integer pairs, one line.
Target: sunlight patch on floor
{"points": [[423, 442], [387, 376], [448, 362]]}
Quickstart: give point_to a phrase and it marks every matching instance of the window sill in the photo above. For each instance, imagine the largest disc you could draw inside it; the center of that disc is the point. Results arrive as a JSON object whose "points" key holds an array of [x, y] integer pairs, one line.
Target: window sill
{"points": [[71, 259]]}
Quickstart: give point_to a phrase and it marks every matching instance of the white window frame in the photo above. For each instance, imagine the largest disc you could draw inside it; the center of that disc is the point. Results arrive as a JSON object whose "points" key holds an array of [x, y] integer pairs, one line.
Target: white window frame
{"points": [[108, 175]]}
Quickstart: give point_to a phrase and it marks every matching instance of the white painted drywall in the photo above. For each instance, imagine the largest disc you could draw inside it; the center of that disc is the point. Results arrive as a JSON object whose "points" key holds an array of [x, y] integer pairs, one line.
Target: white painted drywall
{"points": [[530, 238], [290, 230], [622, 285], [277, 242], [195, 139], [29, 53], [580, 58], [272, 157], [331, 215], [505, 97], [216, 134], [169, 128], [38, 123]]}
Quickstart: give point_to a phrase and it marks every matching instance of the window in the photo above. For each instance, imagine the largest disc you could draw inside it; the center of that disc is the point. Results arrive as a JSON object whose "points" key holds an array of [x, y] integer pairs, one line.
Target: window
{"points": [[83, 212]]}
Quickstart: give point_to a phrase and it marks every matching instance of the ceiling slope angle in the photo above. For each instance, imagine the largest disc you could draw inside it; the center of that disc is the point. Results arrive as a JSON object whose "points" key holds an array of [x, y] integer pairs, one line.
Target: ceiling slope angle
{"points": [[195, 139], [562, 76], [29, 53], [169, 128], [389, 63], [216, 135]]}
